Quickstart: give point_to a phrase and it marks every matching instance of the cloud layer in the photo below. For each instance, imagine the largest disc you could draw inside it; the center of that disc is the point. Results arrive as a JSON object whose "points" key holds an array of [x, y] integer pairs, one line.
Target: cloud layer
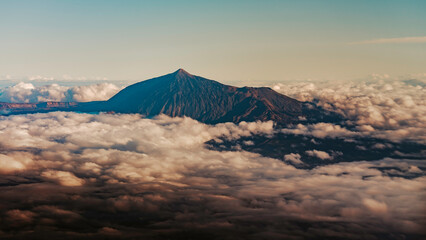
{"points": [[28, 93], [120, 176], [381, 108]]}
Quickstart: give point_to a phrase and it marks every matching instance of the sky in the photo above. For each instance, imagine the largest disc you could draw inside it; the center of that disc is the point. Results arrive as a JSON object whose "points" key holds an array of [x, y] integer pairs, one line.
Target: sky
{"points": [[229, 41]]}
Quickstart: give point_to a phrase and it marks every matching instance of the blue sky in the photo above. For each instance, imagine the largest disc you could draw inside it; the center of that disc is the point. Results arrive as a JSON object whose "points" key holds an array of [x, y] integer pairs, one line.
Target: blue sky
{"points": [[223, 40]]}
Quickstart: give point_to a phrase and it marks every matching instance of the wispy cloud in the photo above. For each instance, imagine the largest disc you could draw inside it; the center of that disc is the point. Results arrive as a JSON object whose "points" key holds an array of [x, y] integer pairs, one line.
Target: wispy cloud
{"points": [[392, 40]]}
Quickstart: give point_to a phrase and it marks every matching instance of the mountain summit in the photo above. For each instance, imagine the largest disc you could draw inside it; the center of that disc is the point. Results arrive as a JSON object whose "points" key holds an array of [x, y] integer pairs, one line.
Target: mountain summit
{"points": [[181, 72], [182, 94]]}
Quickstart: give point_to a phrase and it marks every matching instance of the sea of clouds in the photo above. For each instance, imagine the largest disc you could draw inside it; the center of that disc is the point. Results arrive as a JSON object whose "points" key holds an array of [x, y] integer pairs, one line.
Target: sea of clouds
{"points": [[91, 176]]}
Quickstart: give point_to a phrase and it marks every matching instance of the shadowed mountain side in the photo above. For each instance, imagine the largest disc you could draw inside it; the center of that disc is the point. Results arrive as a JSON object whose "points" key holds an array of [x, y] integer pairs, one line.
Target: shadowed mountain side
{"points": [[182, 94]]}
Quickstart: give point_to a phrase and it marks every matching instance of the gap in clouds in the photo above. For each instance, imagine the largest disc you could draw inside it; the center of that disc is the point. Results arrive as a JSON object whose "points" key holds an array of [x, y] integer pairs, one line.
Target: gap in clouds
{"points": [[306, 151]]}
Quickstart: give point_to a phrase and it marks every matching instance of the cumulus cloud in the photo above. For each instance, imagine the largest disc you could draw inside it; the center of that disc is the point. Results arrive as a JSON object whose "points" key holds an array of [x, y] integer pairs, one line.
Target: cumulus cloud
{"points": [[321, 130], [91, 176], [28, 93], [375, 206], [319, 154], [382, 107], [102, 91], [14, 162], [63, 178], [19, 217], [293, 157]]}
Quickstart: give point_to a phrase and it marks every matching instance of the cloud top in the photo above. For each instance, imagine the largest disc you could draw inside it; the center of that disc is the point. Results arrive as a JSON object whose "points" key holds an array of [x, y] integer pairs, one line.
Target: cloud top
{"points": [[382, 107], [98, 176], [28, 93]]}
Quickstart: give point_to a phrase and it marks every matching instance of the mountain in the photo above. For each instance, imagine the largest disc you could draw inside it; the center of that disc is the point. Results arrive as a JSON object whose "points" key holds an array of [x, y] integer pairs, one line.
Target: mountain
{"points": [[182, 94]]}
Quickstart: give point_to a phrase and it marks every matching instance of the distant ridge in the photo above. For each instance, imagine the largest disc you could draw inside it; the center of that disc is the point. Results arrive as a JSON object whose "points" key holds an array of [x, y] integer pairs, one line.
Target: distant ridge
{"points": [[182, 94]]}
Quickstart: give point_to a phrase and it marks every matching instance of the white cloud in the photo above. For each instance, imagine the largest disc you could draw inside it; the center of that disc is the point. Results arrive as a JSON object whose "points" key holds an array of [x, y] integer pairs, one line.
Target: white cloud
{"points": [[381, 107], [375, 206], [63, 178], [14, 162], [293, 157], [319, 154], [27, 92], [392, 40], [321, 130], [97, 92]]}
